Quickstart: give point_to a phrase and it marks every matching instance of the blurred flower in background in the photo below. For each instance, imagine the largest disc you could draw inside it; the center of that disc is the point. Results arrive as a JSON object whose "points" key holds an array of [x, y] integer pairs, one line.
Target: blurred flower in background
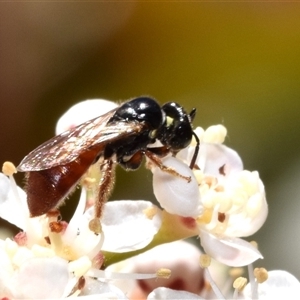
{"points": [[238, 63]]}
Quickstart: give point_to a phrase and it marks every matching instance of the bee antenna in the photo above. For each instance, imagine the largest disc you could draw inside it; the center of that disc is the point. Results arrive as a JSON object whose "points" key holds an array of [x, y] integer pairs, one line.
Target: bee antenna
{"points": [[192, 114], [193, 161]]}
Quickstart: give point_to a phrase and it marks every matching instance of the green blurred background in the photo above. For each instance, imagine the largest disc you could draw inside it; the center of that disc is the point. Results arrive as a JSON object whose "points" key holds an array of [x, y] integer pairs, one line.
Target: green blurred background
{"points": [[238, 63]]}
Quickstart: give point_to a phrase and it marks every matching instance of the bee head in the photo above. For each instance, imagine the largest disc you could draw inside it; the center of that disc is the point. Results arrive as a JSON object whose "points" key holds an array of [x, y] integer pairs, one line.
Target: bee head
{"points": [[176, 132]]}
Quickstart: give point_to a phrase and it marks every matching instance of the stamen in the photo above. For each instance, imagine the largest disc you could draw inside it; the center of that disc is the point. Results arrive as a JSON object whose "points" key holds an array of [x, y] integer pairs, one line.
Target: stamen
{"points": [[71, 230], [205, 261], [261, 274], [161, 273], [233, 273], [9, 168], [238, 286], [150, 212], [253, 283], [95, 226], [254, 244], [240, 283], [57, 227]]}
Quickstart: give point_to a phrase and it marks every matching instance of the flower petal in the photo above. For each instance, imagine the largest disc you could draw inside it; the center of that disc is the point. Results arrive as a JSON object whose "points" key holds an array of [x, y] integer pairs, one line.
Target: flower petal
{"points": [[279, 285], [232, 252], [129, 225], [86, 242], [41, 278], [217, 156], [6, 271], [179, 257], [212, 157], [12, 209], [4, 187], [255, 212], [72, 228], [101, 290], [175, 194], [165, 293], [82, 112]]}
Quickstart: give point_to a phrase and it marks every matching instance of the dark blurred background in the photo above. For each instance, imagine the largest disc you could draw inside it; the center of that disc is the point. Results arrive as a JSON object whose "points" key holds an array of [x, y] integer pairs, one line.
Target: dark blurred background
{"points": [[238, 63]]}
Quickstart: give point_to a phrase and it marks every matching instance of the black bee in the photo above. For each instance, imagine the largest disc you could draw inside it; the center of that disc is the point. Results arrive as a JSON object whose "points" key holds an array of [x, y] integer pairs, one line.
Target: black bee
{"points": [[121, 136]]}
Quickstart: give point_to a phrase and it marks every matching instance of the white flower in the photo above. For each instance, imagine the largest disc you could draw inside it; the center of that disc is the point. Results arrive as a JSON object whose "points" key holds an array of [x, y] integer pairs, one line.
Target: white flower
{"points": [[180, 257], [50, 248], [226, 201], [279, 285], [29, 281]]}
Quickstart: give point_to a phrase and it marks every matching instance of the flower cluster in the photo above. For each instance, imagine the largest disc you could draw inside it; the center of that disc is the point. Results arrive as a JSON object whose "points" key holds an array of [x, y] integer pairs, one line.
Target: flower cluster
{"points": [[225, 201], [222, 203], [52, 259]]}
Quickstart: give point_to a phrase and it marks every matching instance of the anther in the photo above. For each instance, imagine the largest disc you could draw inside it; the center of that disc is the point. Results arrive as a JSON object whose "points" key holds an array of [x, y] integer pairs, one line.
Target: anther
{"points": [[57, 227], [261, 274], [205, 260], [95, 226], [163, 273], [150, 212], [240, 283], [9, 168]]}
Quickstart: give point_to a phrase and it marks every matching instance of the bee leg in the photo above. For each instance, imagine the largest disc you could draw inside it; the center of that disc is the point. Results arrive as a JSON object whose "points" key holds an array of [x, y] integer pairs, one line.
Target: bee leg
{"points": [[157, 161], [134, 162], [160, 151], [105, 189]]}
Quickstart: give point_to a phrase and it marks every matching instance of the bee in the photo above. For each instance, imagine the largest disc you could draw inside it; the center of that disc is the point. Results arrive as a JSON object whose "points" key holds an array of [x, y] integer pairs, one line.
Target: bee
{"points": [[121, 136]]}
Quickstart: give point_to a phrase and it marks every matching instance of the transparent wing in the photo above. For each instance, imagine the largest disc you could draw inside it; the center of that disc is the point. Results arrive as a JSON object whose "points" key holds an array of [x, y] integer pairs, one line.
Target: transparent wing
{"points": [[67, 146]]}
